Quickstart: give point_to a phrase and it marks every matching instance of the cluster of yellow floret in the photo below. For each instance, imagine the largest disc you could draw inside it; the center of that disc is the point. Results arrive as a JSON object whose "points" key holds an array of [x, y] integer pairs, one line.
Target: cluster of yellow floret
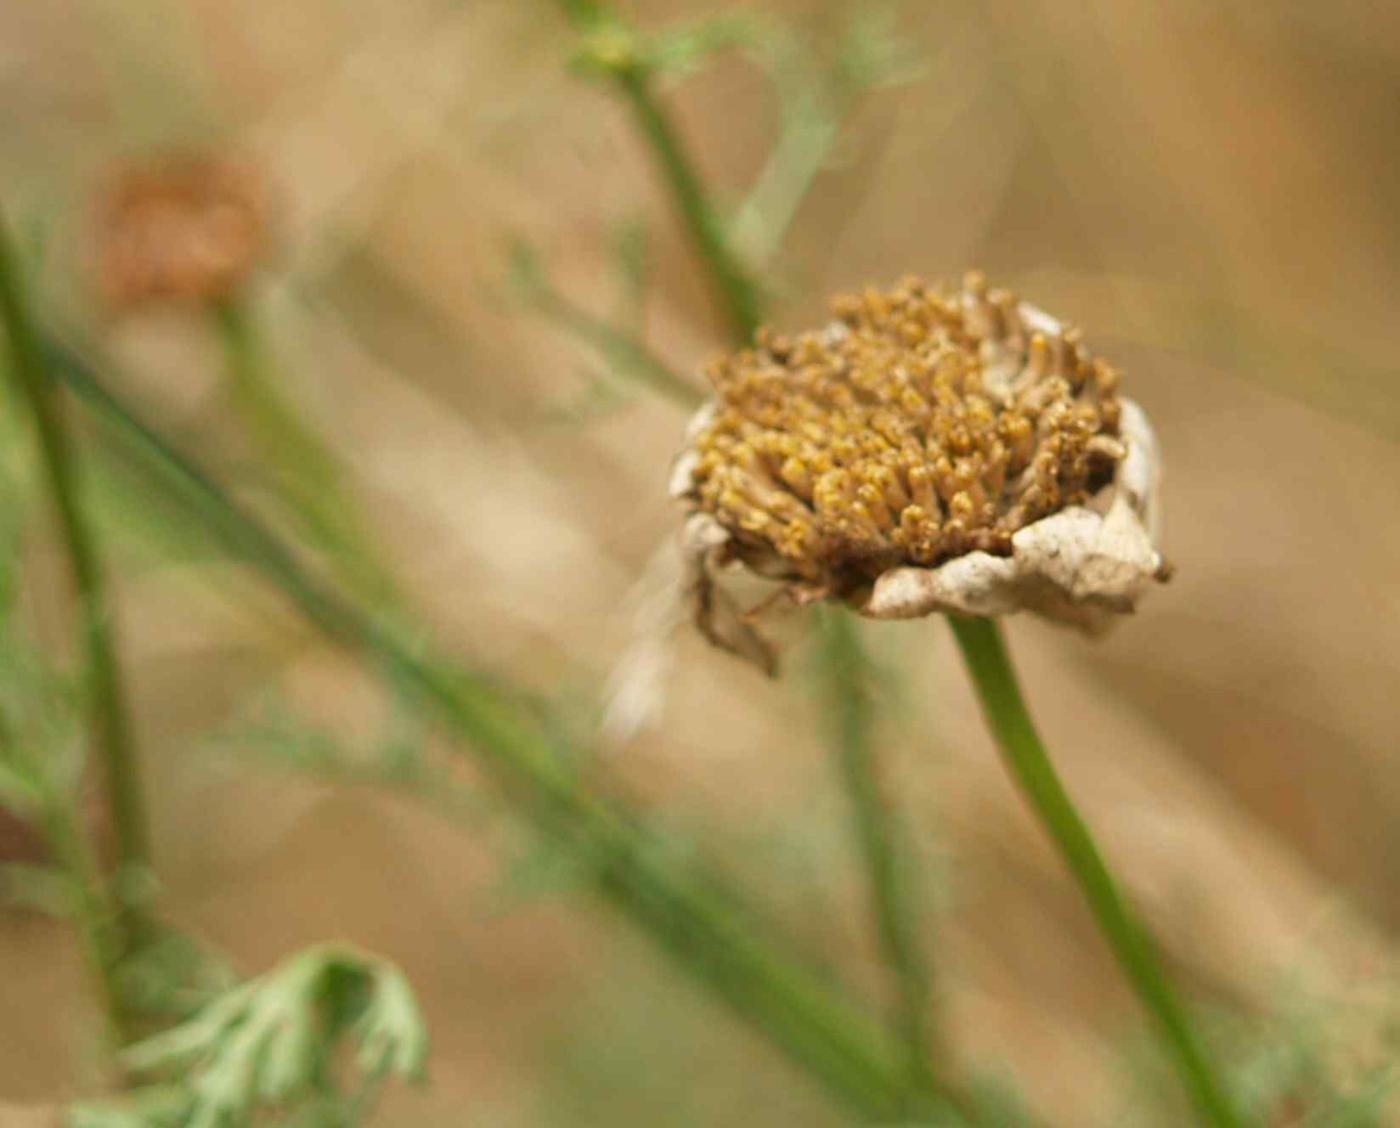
{"points": [[917, 426]]}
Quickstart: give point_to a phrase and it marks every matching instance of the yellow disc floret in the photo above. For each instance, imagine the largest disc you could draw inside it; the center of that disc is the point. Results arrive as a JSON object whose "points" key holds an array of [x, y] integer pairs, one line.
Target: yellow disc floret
{"points": [[919, 425]]}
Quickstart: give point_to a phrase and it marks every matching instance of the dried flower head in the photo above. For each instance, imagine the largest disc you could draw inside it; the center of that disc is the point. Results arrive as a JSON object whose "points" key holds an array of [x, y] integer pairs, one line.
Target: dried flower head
{"points": [[929, 450], [184, 228]]}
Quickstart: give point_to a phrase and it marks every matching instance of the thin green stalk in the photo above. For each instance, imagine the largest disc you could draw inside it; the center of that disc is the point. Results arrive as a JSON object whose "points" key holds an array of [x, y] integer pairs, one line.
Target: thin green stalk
{"points": [[96, 912], [623, 60], [1026, 758], [842, 646], [690, 915], [766, 215], [306, 473], [111, 724], [846, 682], [92, 908], [735, 288]]}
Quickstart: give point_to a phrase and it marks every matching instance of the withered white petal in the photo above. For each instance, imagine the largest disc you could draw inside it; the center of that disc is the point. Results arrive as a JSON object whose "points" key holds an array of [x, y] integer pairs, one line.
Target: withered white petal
{"points": [[1077, 566], [717, 613], [656, 606]]}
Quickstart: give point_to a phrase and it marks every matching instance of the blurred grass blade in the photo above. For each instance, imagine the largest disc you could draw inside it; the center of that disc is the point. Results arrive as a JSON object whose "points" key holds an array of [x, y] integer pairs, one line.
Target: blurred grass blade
{"points": [[307, 476], [846, 674], [114, 919], [688, 913]]}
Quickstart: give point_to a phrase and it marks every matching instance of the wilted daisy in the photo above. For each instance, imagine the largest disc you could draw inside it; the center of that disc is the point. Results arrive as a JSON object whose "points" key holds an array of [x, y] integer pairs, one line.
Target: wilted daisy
{"points": [[179, 228], [928, 450]]}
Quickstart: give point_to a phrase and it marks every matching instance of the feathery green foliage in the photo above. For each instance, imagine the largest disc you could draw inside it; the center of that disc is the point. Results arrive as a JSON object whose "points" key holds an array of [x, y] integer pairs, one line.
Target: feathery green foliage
{"points": [[271, 1044]]}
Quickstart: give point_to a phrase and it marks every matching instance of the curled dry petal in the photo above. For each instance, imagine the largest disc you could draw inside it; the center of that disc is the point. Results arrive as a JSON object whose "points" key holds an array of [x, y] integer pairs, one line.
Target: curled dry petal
{"points": [[927, 451], [705, 545], [1077, 566]]}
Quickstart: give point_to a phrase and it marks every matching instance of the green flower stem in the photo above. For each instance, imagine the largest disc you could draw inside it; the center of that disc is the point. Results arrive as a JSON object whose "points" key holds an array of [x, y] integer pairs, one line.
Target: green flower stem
{"points": [[620, 53], [847, 681], [990, 666], [841, 645], [736, 289], [687, 913], [111, 723]]}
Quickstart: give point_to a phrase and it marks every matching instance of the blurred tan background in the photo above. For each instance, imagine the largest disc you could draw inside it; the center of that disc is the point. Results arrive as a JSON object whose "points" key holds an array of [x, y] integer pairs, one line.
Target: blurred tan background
{"points": [[1210, 188]]}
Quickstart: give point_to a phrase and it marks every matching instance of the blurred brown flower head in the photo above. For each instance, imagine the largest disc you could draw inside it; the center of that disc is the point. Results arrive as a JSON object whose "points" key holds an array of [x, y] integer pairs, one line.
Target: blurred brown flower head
{"points": [[186, 228], [929, 450]]}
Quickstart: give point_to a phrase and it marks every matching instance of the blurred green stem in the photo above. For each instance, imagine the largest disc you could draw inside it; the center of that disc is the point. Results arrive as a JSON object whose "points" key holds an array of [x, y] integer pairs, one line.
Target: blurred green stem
{"points": [[846, 683], [737, 290], [843, 654], [763, 219], [306, 474], [619, 51], [93, 911], [687, 912], [96, 911], [111, 724], [1025, 756]]}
